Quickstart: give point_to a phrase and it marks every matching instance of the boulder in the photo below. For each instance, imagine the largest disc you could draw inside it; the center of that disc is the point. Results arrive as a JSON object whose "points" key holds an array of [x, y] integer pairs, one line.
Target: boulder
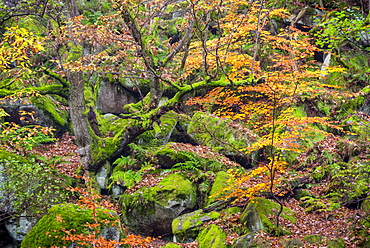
{"points": [[112, 97], [221, 182], [48, 231], [249, 240], [150, 211], [186, 228], [19, 227], [102, 177], [237, 135], [171, 245], [257, 216], [292, 243], [336, 243], [45, 112], [212, 236]]}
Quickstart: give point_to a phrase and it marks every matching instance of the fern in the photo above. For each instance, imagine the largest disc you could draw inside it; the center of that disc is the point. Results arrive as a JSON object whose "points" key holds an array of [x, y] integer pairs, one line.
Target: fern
{"points": [[125, 178]]}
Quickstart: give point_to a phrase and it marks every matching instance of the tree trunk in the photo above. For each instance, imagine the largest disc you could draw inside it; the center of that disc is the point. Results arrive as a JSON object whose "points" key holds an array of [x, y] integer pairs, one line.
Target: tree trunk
{"points": [[79, 120]]}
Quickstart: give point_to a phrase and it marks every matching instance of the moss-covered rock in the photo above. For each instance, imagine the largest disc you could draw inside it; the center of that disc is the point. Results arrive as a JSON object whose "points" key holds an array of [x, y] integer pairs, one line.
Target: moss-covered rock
{"points": [[315, 239], [222, 181], [53, 110], [299, 193], [257, 216], [151, 211], [212, 236], [365, 205], [48, 230], [170, 157], [336, 243], [236, 135], [186, 227], [171, 245], [249, 240], [292, 243]]}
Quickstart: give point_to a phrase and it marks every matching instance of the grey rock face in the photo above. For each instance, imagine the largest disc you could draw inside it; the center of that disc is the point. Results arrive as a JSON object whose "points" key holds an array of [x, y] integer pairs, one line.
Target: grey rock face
{"points": [[18, 228], [112, 98]]}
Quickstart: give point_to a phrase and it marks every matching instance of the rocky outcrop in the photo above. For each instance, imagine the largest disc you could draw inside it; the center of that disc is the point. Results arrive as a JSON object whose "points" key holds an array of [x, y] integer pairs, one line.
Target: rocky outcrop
{"points": [[112, 98], [150, 211], [256, 216]]}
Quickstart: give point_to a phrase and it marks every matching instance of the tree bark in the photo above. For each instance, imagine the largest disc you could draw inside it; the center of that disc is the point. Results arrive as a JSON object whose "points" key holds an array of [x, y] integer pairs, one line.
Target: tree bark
{"points": [[79, 120]]}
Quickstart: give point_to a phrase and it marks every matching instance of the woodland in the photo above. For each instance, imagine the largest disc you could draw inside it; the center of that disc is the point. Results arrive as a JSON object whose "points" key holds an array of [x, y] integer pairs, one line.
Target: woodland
{"points": [[184, 123]]}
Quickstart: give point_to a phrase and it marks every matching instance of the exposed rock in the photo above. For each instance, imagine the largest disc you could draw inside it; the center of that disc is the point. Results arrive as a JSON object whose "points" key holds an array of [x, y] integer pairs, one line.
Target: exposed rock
{"points": [[292, 243], [257, 213], [249, 240], [244, 241], [112, 98], [151, 211], [102, 176], [186, 227], [18, 228], [212, 236]]}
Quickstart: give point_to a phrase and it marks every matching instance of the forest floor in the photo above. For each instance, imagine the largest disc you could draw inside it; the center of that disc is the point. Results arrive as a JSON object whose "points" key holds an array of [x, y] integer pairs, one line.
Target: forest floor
{"points": [[334, 223]]}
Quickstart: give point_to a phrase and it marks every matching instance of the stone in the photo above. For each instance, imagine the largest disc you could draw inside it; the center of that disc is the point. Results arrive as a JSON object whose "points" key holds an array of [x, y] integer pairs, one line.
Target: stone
{"points": [[185, 228], [244, 241], [102, 176], [112, 98], [18, 228], [212, 236], [256, 216], [171, 245], [336, 243], [249, 240], [221, 182], [236, 134], [150, 211], [48, 230], [315, 239], [292, 243]]}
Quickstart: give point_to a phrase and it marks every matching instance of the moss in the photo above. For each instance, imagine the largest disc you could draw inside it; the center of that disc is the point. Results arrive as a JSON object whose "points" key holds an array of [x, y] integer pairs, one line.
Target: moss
{"points": [[291, 243], [112, 130], [220, 183], [212, 236], [172, 187], [186, 227], [236, 135], [48, 231], [315, 239], [301, 193], [256, 216], [232, 210], [51, 109], [34, 25], [171, 245], [336, 243]]}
